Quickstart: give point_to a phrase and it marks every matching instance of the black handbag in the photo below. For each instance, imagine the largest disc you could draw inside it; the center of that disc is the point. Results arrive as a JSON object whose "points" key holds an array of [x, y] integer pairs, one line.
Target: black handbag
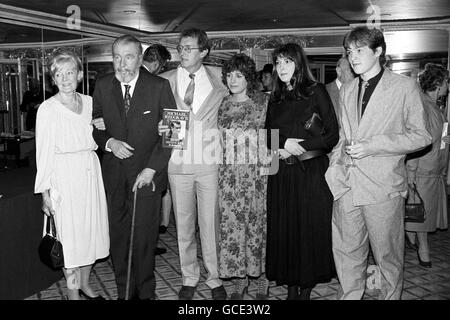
{"points": [[414, 208], [314, 125], [50, 249]]}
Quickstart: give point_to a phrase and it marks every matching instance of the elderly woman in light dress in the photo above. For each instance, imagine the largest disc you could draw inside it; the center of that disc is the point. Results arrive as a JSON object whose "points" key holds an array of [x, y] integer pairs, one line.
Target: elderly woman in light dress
{"points": [[69, 175]]}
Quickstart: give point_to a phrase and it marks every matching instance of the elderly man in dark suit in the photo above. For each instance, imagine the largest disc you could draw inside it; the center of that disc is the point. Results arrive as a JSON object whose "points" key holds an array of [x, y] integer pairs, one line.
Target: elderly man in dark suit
{"points": [[131, 102], [344, 75]]}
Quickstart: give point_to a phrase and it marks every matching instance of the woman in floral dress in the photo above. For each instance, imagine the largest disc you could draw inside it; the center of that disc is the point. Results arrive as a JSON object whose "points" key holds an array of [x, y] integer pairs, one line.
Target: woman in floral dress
{"points": [[242, 188]]}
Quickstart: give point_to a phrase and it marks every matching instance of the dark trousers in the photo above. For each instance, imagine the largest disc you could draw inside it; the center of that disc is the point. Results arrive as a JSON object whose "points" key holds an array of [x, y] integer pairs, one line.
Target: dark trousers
{"points": [[120, 207]]}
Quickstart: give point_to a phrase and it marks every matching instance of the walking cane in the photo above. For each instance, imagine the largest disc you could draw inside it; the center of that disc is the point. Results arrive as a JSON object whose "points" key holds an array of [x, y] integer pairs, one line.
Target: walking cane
{"points": [[130, 249]]}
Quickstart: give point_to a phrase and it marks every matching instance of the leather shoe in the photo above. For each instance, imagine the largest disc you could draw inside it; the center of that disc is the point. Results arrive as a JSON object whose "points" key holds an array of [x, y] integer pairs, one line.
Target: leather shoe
{"points": [[186, 293], [426, 264], [219, 293], [84, 295], [162, 229], [159, 251]]}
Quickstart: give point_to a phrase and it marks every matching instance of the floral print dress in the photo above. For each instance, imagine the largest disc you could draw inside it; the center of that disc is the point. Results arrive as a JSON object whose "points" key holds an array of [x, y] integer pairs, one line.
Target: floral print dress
{"points": [[242, 189]]}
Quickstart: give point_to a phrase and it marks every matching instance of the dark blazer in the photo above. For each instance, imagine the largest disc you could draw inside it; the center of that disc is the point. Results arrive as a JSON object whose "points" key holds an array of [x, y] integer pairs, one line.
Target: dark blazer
{"points": [[139, 128]]}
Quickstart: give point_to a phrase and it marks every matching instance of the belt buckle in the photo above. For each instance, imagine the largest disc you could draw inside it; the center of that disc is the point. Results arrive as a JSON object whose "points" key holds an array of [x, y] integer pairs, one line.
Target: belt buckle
{"points": [[290, 160]]}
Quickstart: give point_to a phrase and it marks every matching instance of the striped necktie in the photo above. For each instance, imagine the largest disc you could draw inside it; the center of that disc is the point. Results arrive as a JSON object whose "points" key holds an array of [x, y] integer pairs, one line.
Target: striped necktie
{"points": [[189, 95], [127, 98]]}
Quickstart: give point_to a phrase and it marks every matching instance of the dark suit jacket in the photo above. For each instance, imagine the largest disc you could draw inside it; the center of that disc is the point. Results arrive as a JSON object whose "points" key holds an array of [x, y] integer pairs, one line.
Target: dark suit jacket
{"points": [[138, 128]]}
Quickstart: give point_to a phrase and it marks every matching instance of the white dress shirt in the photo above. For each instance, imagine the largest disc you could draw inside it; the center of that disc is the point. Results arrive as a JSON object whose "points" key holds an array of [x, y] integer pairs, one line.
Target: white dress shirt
{"points": [[203, 86], [132, 83], [338, 83]]}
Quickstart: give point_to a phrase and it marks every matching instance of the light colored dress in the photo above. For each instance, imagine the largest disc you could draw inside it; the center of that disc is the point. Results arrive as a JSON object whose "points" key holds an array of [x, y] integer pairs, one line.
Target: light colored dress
{"points": [[242, 193], [428, 171], [68, 165]]}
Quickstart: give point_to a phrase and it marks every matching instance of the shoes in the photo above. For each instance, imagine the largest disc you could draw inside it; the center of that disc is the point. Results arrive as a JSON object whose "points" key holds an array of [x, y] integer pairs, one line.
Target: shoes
{"points": [[137, 299], [240, 287], [305, 294], [260, 296], [263, 288], [219, 293], [426, 264], [292, 293], [162, 229], [186, 293], [159, 251], [410, 245], [84, 295], [237, 295]]}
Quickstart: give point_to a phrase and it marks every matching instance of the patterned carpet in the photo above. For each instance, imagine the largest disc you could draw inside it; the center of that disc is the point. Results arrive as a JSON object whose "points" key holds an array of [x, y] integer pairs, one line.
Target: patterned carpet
{"points": [[419, 283]]}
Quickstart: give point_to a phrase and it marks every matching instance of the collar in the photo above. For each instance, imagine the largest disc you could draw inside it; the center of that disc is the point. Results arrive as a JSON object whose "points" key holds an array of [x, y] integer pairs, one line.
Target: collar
{"points": [[338, 83], [374, 80], [199, 73]]}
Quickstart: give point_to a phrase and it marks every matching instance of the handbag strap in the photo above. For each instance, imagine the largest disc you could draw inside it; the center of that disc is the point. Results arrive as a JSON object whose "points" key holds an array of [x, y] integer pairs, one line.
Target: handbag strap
{"points": [[417, 193], [50, 228]]}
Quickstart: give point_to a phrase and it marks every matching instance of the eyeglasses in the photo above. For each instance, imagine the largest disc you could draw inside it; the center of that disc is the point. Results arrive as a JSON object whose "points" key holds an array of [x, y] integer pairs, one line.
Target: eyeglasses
{"points": [[187, 49]]}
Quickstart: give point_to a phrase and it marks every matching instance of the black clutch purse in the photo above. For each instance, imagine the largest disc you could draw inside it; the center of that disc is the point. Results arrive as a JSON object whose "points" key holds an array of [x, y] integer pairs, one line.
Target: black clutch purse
{"points": [[50, 249], [414, 208], [314, 125]]}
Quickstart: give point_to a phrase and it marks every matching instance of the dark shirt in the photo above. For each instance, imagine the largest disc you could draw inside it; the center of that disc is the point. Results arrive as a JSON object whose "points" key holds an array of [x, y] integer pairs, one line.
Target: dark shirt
{"points": [[372, 84]]}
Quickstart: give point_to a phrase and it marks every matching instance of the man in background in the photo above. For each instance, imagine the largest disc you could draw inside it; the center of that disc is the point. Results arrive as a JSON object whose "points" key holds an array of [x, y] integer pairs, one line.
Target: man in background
{"points": [[344, 75]]}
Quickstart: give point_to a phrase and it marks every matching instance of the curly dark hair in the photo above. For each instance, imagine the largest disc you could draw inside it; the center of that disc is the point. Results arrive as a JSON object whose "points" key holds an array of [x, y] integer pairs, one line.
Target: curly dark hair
{"points": [[432, 77], [244, 64]]}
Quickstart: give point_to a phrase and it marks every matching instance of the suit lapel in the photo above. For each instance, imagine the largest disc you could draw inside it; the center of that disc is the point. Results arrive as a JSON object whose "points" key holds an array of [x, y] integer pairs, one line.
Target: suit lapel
{"points": [[375, 101], [138, 95], [180, 103], [216, 88], [352, 111], [118, 98]]}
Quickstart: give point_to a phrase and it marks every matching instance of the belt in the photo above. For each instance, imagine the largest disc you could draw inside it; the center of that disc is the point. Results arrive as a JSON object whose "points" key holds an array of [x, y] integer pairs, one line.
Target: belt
{"points": [[304, 156]]}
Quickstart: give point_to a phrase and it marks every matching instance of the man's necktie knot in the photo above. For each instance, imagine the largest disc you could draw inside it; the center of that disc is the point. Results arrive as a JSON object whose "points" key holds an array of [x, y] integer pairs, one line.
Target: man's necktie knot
{"points": [[189, 95]]}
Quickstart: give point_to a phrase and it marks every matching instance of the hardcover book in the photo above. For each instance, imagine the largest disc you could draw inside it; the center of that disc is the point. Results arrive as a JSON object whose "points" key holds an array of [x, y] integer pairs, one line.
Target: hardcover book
{"points": [[178, 123]]}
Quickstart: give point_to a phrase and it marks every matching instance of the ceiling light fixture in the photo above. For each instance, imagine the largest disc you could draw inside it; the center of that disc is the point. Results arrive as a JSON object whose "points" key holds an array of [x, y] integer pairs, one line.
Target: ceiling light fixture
{"points": [[129, 11]]}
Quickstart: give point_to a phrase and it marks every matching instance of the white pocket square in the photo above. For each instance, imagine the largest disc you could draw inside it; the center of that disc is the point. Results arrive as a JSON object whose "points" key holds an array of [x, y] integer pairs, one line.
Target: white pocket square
{"points": [[146, 112]]}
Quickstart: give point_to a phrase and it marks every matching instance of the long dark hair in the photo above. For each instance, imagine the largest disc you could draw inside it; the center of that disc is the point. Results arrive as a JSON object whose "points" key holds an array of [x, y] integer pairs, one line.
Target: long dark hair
{"points": [[302, 80]]}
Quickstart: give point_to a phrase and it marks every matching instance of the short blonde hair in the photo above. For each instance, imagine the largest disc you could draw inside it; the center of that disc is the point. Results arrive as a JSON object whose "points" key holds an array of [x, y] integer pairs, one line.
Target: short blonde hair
{"points": [[60, 56]]}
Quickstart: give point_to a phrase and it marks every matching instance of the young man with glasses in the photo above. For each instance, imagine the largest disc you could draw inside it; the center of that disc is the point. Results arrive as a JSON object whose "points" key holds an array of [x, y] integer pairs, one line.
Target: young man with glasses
{"points": [[193, 176]]}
